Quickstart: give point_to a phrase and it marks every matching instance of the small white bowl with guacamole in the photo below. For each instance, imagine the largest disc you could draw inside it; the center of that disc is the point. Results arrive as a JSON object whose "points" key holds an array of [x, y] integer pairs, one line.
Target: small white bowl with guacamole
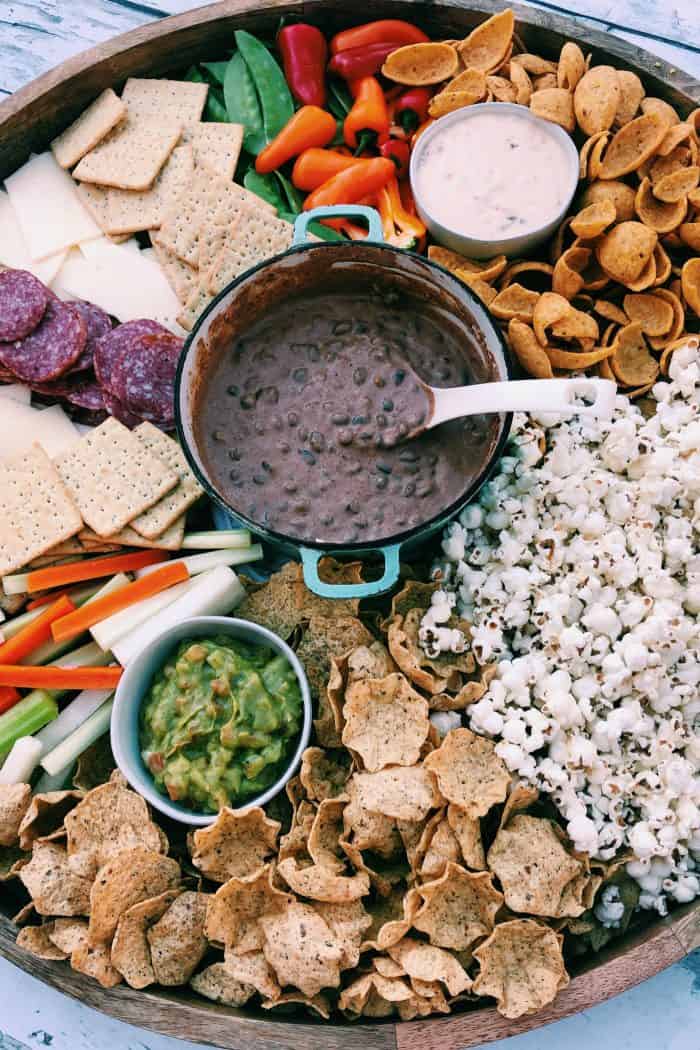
{"points": [[214, 712]]}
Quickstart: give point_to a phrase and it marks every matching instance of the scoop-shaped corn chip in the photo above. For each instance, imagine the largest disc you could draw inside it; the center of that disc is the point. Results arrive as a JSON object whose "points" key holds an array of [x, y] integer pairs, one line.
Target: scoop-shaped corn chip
{"points": [[458, 908], [596, 142], [535, 65], [621, 195], [632, 145], [676, 185], [610, 311], [577, 327], [528, 350], [626, 250], [689, 233], [514, 301], [486, 47], [521, 966], [448, 101], [661, 108], [690, 284], [469, 772], [566, 279], [653, 313], [549, 309], [520, 80], [421, 64], [674, 137], [632, 363], [631, 95], [556, 105], [577, 361], [594, 219], [656, 214], [596, 98], [533, 271], [238, 843], [501, 89], [571, 67]]}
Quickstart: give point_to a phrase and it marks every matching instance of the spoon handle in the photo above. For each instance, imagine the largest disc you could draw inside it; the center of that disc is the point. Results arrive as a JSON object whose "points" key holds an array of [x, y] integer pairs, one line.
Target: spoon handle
{"points": [[578, 396]]}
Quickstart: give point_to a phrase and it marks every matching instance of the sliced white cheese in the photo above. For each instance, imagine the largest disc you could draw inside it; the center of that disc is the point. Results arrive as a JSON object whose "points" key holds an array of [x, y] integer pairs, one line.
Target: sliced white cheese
{"points": [[22, 425], [13, 247], [50, 213], [121, 281], [16, 392]]}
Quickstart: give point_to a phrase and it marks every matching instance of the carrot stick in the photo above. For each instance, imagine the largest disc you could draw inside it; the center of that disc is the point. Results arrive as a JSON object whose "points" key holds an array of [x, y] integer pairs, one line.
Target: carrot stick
{"points": [[8, 698], [80, 620], [90, 569], [52, 677], [36, 603], [35, 633]]}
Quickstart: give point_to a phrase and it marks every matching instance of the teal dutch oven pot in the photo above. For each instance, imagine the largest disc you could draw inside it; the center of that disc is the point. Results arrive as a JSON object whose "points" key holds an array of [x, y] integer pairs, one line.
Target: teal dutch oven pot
{"points": [[330, 266]]}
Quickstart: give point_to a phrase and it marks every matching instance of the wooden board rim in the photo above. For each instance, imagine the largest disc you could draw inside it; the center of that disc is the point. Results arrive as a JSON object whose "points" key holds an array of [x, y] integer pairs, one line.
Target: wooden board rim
{"points": [[28, 119]]}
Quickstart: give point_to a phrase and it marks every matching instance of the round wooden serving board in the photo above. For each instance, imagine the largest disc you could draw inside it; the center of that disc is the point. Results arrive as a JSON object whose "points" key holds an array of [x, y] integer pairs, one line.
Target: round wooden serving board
{"points": [[29, 119]]}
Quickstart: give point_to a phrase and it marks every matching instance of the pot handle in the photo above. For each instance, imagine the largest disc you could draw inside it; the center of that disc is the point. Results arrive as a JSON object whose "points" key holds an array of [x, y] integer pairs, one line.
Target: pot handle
{"points": [[339, 211], [310, 559]]}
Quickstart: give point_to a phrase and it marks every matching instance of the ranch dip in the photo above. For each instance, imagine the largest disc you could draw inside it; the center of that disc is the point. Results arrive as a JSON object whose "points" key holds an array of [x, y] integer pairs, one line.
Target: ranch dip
{"points": [[493, 175]]}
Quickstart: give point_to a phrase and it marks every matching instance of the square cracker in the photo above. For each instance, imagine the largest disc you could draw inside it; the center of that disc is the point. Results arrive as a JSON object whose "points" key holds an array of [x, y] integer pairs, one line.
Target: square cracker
{"points": [[176, 101], [90, 128], [131, 156], [195, 305], [254, 237], [169, 540], [38, 511], [129, 211], [96, 200], [182, 278], [113, 477], [217, 146], [156, 520]]}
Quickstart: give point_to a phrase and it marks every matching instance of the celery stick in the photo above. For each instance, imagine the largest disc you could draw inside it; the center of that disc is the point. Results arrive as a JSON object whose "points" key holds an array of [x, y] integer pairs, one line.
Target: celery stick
{"points": [[197, 563], [48, 652], [221, 539], [74, 745], [72, 717], [26, 717], [21, 761], [108, 631]]}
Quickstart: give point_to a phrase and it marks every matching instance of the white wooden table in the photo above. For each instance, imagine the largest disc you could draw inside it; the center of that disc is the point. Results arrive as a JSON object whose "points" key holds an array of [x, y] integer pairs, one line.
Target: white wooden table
{"points": [[664, 1013]]}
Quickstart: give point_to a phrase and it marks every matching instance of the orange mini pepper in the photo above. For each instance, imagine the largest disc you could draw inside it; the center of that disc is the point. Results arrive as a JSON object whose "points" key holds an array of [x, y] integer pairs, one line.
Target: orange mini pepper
{"points": [[314, 166], [310, 126], [400, 227], [364, 179], [369, 118], [376, 33]]}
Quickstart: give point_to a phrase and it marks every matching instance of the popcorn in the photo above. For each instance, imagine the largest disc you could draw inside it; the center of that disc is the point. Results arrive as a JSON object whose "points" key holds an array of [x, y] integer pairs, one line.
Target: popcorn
{"points": [[578, 569]]}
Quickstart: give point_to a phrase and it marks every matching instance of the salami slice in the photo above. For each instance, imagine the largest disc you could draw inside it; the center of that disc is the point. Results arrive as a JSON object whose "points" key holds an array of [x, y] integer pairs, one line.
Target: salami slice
{"points": [[48, 352], [120, 411], [98, 324], [143, 378], [111, 346], [23, 301]]}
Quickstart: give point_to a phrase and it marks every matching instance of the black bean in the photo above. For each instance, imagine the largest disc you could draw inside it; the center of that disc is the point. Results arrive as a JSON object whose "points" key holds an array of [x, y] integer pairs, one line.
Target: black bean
{"points": [[399, 376], [383, 466], [381, 482], [290, 487], [267, 467], [317, 441], [259, 479], [218, 435], [235, 475], [353, 507], [340, 419], [411, 468], [233, 391], [234, 454], [308, 456], [303, 433], [284, 446], [388, 404], [365, 436], [345, 437], [408, 455], [247, 402], [361, 523], [381, 420], [359, 421], [409, 489], [378, 516], [342, 327], [359, 376], [327, 519], [293, 418], [300, 375]]}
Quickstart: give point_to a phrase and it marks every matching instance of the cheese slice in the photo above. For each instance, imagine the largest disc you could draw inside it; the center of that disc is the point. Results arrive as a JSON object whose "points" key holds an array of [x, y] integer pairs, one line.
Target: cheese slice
{"points": [[16, 392], [120, 280], [13, 247], [22, 425], [50, 213]]}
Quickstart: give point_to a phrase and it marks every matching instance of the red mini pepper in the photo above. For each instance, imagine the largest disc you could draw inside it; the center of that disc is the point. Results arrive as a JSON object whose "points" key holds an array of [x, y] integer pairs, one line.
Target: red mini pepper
{"points": [[362, 61], [310, 126], [304, 54], [368, 120], [376, 33], [399, 151], [411, 108]]}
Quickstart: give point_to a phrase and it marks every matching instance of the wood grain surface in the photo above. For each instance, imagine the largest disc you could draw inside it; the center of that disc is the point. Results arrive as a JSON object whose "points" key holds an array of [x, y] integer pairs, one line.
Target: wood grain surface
{"points": [[28, 119]]}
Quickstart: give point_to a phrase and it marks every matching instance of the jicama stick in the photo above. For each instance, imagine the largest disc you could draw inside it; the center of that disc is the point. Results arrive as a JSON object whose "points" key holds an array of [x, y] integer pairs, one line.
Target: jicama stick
{"points": [[52, 677], [198, 563], [75, 571], [48, 652], [109, 631], [72, 717], [79, 620], [21, 762], [29, 715], [28, 640], [74, 745], [78, 596], [220, 539]]}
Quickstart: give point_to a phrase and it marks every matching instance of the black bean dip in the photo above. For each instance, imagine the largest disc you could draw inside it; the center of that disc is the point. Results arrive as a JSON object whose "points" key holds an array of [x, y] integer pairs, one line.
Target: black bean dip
{"points": [[299, 416]]}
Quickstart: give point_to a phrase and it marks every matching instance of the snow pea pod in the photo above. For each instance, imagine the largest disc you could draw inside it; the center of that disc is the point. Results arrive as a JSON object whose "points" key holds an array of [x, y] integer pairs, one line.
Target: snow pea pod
{"points": [[242, 104], [267, 187], [295, 200], [275, 97], [215, 108], [217, 71]]}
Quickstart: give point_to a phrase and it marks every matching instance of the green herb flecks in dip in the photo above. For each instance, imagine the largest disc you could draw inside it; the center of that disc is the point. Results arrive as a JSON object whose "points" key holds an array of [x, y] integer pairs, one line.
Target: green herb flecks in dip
{"points": [[219, 721]]}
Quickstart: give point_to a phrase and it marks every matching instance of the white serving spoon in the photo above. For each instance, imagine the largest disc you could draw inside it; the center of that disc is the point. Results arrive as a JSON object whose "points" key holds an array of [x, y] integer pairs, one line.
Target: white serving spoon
{"points": [[583, 397]]}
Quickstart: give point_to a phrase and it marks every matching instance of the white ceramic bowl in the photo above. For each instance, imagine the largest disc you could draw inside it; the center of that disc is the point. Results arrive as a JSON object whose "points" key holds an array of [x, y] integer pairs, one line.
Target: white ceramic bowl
{"points": [[135, 682], [477, 247]]}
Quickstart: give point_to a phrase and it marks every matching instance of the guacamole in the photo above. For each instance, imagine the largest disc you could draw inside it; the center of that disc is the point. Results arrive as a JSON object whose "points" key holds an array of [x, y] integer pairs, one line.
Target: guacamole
{"points": [[219, 722]]}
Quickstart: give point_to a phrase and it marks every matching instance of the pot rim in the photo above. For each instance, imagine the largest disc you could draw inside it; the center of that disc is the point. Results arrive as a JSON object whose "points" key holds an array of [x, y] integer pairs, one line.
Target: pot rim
{"points": [[406, 536]]}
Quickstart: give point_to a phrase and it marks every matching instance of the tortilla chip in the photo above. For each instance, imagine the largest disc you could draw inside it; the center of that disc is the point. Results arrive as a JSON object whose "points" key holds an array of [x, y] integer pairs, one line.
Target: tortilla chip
{"points": [[631, 361], [96, 962], [469, 772], [237, 844], [15, 800], [440, 848], [596, 98], [425, 962], [467, 831], [435, 674], [132, 876], [387, 967], [295, 843], [324, 773], [419, 64], [325, 637], [571, 66], [391, 917], [177, 939], [68, 934], [528, 350], [109, 820], [131, 953], [625, 250], [284, 602], [216, 983], [36, 941], [373, 996], [556, 105], [521, 966], [632, 145], [370, 831], [458, 908], [318, 1004], [323, 844], [386, 722], [301, 949], [54, 888], [347, 922], [329, 724], [45, 815], [401, 793], [234, 910], [319, 883]]}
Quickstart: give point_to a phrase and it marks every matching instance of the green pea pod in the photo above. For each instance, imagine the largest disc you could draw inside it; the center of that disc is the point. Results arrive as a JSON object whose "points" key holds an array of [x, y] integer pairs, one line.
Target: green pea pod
{"points": [[339, 98], [275, 97], [295, 200], [195, 75], [216, 70], [267, 187], [242, 104], [215, 108]]}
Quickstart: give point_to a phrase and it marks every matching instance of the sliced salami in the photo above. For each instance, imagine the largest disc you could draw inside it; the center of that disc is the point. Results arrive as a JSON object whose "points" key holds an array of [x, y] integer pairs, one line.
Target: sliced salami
{"points": [[49, 351], [110, 347], [23, 301], [120, 411], [143, 378], [98, 324]]}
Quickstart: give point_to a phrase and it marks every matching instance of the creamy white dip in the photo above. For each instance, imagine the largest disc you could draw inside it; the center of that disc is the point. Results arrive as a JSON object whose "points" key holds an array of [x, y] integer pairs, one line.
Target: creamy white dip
{"points": [[494, 175]]}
